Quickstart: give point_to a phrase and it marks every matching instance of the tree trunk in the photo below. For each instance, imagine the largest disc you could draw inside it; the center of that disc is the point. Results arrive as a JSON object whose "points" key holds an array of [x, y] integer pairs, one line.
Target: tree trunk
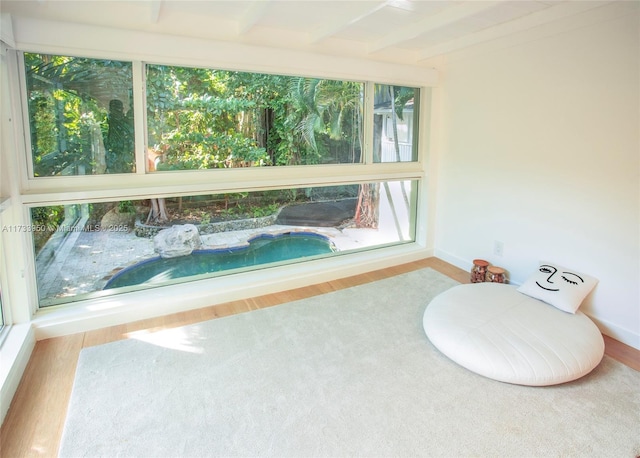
{"points": [[378, 124], [367, 211], [158, 212]]}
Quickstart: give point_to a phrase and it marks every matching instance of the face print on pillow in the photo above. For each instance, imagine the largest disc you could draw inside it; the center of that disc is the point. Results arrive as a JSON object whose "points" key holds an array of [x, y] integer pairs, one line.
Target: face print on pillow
{"points": [[561, 287], [553, 278]]}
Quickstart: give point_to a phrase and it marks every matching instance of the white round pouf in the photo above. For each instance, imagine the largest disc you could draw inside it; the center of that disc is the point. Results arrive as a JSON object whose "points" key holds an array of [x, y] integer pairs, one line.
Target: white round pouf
{"points": [[500, 333]]}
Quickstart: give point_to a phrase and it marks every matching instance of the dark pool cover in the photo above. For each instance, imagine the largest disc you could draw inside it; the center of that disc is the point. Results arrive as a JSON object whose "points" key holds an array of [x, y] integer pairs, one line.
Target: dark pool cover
{"points": [[321, 214]]}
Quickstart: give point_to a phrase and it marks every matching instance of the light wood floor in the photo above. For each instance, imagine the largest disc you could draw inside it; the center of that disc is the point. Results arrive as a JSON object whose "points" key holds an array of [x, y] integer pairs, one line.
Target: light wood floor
{"points": [[34, 423]]}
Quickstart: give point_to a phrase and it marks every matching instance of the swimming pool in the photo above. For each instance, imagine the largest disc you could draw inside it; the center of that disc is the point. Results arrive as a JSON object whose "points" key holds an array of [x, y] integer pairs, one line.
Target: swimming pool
{"points": [[263, 249]]}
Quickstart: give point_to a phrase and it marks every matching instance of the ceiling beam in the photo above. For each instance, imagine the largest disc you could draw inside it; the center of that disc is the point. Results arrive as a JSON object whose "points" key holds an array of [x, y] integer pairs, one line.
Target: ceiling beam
{"points": [[522, 24], [343, 19], [155, 7], [254, 13], [433, 22]]}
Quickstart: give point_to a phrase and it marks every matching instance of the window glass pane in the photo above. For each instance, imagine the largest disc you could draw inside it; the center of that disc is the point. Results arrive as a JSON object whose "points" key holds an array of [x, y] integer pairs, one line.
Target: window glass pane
{"points": [[80, 115], [206, 119], [395, 123], [96, 249]]}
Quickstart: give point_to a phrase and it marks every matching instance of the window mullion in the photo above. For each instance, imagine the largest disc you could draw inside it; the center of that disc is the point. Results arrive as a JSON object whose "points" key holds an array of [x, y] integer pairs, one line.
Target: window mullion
{"points": [[140, 116]]}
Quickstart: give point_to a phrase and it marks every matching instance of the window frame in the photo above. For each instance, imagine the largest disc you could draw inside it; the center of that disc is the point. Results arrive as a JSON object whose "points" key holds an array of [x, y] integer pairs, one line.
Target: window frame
{"points": [[405, 239]]}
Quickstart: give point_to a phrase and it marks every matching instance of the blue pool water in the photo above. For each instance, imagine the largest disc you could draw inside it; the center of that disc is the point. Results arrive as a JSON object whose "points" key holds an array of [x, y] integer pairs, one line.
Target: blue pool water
{"points": [[261, 250]]}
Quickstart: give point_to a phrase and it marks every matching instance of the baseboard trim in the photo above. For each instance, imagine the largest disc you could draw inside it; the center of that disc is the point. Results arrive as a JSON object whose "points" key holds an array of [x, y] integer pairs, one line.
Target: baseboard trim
{"points": [[617, 332]]}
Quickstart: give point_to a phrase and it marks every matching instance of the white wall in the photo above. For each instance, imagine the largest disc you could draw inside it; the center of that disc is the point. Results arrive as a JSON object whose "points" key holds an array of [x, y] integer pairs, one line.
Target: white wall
{"points": [[540, 150]]}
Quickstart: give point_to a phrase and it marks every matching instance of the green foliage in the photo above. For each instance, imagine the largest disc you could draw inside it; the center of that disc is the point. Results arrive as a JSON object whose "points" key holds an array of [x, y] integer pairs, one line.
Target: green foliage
{"points": [[46, 220], [401, 95], [261, 211], [68, 109], [328, 111], [126, 206], [205, 218], [47, 216], [202, 119], [45, 130], [196, 118], [194, 150]]}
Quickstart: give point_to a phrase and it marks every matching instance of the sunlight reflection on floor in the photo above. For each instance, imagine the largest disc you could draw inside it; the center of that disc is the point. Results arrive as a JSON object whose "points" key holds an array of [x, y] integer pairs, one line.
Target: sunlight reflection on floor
{"points": [[174, 339]]}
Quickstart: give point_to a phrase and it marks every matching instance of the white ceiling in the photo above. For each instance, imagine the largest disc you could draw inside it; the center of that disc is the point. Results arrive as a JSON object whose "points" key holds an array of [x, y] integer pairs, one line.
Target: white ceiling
{"points": [[408, 31]]}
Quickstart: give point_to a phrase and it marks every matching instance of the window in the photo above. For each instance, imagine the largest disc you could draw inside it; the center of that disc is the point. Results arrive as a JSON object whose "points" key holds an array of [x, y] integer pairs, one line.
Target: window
{"points": [[395, 123], [204, 119], [80, 115], [157, 157], [104, 248]]}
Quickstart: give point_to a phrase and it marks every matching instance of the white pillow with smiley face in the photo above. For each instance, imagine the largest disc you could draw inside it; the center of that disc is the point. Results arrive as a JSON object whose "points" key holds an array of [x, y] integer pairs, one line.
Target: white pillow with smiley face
{"points": [[563, 288]]}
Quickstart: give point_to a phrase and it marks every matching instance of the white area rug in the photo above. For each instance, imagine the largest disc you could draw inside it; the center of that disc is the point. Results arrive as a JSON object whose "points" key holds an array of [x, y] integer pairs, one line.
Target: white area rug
{"points": [[349, 373]]}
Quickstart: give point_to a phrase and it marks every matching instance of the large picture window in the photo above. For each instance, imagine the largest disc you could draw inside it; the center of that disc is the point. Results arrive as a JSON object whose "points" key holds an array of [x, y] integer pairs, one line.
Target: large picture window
{"points": [[94, 249], [311, 172]]}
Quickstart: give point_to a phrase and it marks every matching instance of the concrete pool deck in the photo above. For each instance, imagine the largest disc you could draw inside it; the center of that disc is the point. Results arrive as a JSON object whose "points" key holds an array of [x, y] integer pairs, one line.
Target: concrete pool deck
{"points": [[89, 259]]}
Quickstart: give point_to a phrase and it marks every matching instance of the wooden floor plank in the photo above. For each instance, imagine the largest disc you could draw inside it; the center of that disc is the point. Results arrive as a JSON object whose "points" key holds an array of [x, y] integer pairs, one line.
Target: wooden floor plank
{"points": [[104, 335], [33, 425]]}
